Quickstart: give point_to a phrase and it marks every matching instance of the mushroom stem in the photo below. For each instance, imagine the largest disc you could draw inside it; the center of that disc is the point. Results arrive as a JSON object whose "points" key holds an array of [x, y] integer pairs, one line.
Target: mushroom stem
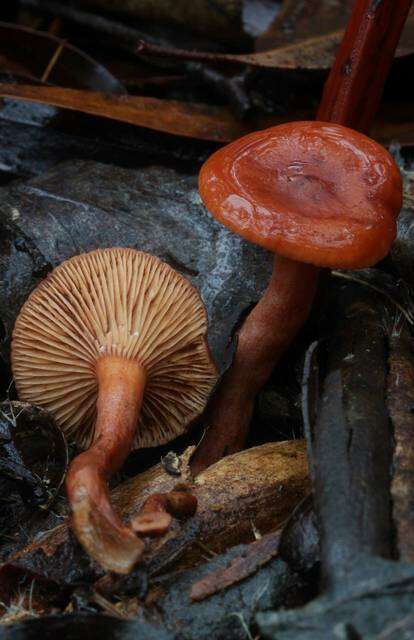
{"points": [[121, 385], [265, 334], [363, 60]]}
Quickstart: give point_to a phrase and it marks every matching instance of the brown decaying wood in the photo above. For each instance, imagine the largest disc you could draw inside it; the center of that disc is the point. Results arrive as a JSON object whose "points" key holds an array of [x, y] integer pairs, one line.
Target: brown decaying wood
{"points": [[353, 90], [400, 400]]}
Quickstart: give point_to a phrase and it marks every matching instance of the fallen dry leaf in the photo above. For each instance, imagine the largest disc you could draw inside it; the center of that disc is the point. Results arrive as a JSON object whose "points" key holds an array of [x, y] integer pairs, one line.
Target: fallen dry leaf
{"points": [[311, 52], [299, 20], [171, 116]]}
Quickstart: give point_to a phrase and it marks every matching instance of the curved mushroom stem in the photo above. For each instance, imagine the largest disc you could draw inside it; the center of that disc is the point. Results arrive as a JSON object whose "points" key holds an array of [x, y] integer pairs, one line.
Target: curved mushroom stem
{"points": [[98, 527], [265, 335]]}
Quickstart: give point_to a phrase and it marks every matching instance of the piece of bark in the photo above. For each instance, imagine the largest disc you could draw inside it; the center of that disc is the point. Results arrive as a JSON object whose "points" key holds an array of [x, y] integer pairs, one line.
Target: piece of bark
{"points": [[351, 437], [400, 400], [167, 612], [35, 138], [255, 556], [378, 605], [255, 488]]}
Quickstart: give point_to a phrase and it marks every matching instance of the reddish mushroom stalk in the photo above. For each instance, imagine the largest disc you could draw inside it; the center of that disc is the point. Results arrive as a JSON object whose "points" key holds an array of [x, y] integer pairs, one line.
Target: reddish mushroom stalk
{"points": [[353, 90], [121, 385], [285, 304]]}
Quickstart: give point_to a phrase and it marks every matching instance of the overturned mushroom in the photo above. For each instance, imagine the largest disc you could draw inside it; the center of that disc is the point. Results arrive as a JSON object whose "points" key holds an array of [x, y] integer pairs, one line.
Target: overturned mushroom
{"points": [[317, 195], [113, 343]]}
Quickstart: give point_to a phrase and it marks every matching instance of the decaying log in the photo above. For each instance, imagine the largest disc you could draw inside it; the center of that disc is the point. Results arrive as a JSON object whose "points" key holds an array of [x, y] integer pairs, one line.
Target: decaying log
{"points": [[252, 490], [400, 399]]}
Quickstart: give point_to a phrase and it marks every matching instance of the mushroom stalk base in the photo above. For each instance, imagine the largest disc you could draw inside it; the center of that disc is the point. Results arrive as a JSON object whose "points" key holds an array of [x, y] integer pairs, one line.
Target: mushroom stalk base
{"points": [[265, 335], [98, 527]]}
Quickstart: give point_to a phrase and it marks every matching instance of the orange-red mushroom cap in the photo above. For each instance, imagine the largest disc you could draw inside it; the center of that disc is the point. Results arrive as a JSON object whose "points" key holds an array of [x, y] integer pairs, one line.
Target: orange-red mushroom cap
{"points": [[313, 192]]}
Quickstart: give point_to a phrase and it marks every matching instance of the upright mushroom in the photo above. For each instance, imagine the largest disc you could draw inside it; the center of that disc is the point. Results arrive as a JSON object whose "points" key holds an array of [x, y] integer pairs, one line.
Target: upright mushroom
{"points": [[317, 195], [113, 343]]}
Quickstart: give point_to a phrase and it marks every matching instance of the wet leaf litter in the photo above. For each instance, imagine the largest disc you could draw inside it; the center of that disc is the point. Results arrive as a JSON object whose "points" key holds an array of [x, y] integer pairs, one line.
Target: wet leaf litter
{"points": [[259, 557]]}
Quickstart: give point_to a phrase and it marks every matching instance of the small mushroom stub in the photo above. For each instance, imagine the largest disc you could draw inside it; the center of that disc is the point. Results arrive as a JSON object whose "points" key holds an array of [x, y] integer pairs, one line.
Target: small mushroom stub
{"points": [[113, 344], [317, 194]]}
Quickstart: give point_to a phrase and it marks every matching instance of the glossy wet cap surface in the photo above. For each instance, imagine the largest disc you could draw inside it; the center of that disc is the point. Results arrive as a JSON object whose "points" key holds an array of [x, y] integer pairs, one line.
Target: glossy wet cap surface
{"points": [[311, 191]]}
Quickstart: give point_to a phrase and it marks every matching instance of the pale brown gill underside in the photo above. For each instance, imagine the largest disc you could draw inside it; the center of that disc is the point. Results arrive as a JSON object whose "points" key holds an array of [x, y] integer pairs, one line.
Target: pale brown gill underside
{"points": [[117, 302]]}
